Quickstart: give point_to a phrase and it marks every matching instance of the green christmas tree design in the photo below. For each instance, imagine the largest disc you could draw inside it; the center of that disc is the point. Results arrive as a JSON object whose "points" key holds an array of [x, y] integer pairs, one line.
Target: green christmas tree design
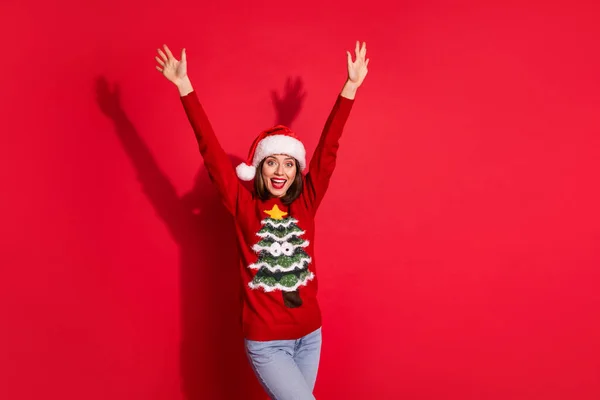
{"points": [[282, 262]]}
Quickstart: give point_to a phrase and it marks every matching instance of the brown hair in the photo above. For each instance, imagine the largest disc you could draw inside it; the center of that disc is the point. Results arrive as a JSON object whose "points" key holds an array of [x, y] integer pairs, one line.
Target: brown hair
{"points": [[260, 187]]}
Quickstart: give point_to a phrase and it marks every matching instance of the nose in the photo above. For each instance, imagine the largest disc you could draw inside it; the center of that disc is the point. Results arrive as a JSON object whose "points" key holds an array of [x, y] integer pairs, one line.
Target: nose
{"points": [[279, 170]]}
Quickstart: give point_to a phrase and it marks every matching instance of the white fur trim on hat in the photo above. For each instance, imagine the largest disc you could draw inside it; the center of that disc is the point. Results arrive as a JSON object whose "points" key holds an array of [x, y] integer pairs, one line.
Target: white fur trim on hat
{"points": [[274, 144], [280, 144]]}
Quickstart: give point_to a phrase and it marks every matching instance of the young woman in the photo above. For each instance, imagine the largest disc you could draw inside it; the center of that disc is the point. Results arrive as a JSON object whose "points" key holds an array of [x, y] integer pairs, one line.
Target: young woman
{"points": [[275, 230]]}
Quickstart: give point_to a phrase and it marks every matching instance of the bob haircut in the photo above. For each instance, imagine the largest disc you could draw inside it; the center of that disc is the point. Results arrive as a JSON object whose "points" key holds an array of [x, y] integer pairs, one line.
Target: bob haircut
{"points": [[292, 193]]}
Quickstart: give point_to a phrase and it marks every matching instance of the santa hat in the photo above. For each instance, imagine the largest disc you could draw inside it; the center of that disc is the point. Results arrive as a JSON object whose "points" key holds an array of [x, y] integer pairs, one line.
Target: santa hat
{"points": [[277, 140]]}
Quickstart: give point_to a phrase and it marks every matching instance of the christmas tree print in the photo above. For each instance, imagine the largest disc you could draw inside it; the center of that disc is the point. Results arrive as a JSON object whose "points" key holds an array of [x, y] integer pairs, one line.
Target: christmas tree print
{"points": [[282, 262]]}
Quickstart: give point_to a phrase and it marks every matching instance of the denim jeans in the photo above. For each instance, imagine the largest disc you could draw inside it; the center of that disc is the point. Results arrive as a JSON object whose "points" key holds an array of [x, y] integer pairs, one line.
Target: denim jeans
{"points": [[287, 369]]}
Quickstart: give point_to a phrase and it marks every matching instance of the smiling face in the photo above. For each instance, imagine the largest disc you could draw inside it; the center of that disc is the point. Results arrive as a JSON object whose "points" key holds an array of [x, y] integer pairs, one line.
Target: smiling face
{"points": [[278, 173]]}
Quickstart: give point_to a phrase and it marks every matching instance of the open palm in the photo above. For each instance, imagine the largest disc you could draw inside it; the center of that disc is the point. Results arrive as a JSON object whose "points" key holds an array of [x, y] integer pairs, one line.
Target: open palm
{"points": [[174, 70], [357, 69]]}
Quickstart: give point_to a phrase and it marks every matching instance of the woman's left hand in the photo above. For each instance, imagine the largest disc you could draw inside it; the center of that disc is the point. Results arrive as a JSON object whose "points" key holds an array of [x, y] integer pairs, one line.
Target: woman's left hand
{"points": [[357, 70]]}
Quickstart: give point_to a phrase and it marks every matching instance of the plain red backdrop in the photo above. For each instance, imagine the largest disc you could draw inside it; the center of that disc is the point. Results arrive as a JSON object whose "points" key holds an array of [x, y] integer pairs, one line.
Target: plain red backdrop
{"points": [[458, 243]]}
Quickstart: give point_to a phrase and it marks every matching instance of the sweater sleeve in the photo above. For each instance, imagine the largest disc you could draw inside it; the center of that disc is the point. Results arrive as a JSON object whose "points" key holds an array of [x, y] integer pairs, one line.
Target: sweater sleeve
{"points": [[217, 163], [323, 161]]}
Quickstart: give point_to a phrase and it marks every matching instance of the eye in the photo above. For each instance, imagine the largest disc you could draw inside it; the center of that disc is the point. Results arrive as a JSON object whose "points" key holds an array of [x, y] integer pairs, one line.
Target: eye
{"points": [[290, 164], [287, 249], [270, 163], [275, 249]]}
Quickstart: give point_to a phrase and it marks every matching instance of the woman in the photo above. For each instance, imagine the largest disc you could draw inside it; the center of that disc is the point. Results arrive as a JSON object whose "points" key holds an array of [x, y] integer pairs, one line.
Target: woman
{"points": [[275, 230]]}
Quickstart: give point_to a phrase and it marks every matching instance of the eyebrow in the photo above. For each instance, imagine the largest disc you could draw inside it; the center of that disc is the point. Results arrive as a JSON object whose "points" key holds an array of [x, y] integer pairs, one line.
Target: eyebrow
{"points": [[285, 159]]}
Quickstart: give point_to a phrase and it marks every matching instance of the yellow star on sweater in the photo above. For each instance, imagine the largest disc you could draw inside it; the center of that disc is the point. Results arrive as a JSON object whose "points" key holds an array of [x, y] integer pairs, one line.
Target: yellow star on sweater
{"points": [[275, 212]]}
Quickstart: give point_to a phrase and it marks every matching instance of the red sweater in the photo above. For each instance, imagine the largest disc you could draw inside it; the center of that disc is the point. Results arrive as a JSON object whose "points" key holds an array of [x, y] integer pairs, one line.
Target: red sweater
{"points": [[276, 242]]}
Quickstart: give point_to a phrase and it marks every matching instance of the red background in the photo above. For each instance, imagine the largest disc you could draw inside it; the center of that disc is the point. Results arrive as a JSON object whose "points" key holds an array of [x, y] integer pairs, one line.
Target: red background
{"points": [[458, 244]]}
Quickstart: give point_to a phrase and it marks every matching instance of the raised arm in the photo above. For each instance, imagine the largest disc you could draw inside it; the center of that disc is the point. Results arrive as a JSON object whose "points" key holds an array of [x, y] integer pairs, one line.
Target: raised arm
{"points": [[216, 160], [323, 161]]}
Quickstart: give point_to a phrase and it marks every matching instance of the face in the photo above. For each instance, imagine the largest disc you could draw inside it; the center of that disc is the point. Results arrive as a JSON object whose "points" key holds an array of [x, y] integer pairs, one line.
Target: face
{"points": [[279, 172]]}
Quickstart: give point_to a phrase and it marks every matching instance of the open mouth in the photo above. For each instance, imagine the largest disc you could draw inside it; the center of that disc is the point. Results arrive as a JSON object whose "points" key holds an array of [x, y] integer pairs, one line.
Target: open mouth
{"points": [[278, 183]]}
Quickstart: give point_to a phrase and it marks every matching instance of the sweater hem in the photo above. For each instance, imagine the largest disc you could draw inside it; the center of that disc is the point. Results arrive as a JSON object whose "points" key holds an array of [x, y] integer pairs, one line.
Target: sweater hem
{"points": [[262, 333]]}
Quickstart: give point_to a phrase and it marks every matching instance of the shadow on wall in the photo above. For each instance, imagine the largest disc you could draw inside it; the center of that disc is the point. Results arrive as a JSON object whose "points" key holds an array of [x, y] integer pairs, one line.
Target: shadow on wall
{"points": [[212, 360], [288, 105]]}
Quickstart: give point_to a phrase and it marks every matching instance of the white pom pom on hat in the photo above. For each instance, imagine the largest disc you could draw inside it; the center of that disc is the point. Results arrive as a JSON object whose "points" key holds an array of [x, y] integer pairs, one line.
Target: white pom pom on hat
{"points": [[277, 140]]}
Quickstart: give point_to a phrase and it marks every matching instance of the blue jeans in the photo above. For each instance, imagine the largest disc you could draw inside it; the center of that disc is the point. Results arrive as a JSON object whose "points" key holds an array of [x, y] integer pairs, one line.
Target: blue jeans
{"points": [[287, 369]]}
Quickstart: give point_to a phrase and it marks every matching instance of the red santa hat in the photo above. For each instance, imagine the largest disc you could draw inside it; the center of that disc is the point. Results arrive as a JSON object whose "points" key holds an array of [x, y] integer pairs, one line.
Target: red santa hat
{"points": [[277, 140]]}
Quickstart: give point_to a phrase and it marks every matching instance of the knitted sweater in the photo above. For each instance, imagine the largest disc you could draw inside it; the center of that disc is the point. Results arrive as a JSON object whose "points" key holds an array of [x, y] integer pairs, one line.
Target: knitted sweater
{"points": [[275, 241]]}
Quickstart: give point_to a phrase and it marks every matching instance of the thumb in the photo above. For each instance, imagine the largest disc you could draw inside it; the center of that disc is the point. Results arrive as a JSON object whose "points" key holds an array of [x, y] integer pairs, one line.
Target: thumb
{"points": [[183, 56], [349, 57]]}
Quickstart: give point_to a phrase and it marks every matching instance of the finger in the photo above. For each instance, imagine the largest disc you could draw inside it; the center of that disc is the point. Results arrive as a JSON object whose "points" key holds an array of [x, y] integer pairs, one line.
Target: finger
{"points": [[367, 63], [363, 50], [357, 49], [168, 51], [275, 97], [349, 57], [162, 55], [158, 60], [183, 55], [159, 68], [298, 85]]}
